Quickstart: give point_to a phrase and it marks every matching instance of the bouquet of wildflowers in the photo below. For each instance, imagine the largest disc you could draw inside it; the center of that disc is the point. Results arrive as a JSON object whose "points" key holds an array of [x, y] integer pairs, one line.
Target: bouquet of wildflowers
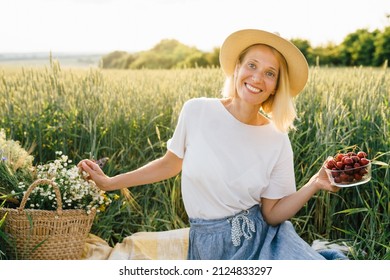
{"points": [[76, 192]]}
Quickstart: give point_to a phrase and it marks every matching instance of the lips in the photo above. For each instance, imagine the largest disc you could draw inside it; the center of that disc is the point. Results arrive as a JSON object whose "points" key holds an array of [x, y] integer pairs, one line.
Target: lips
{"points": [[252, 88]]}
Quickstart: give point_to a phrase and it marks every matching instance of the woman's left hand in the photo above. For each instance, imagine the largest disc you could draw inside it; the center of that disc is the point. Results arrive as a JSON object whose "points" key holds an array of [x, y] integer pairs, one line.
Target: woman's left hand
{"points": [[322, 180]]}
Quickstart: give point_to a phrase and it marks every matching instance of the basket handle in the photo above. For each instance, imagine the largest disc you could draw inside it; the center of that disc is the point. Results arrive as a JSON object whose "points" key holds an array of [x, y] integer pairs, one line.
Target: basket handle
{"points": [[42, 182]]}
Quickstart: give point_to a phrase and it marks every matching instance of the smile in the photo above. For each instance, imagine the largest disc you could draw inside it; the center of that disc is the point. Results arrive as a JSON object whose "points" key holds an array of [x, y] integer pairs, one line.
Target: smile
{"points": [[252, 89]]}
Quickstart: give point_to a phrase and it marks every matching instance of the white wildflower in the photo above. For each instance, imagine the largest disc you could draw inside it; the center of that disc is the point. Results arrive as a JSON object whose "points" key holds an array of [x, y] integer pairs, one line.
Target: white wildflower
{"points": [[64, 158], [76, 192]]}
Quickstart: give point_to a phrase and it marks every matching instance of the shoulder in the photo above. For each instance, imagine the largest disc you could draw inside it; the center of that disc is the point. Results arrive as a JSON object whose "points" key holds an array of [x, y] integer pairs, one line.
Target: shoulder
{"points": [[275, 131], [199, 103], [278, 136]]}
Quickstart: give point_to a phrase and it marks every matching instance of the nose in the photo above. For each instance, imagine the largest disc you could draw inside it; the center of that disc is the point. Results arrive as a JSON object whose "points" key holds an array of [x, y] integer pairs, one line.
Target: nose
{"points": [[258, 75], [256, 78]]}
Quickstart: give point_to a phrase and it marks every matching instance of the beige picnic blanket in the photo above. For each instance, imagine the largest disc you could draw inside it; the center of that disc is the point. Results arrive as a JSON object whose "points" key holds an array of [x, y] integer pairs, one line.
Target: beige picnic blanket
{"points": [[163, 245]]}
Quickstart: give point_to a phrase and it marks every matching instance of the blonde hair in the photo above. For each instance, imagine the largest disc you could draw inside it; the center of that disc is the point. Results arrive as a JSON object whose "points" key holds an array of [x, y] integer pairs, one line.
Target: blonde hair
{"points": [[279, 106]]}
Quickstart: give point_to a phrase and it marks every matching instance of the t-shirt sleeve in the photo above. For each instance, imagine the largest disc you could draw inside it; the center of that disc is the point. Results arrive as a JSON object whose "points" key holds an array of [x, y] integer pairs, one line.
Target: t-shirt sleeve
{"points": [[177, 143], [282, 177]]}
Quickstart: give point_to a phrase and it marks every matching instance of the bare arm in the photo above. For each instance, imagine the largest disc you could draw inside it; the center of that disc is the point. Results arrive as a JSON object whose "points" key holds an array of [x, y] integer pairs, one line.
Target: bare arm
{"points": [[276, 211], [160, 169]]}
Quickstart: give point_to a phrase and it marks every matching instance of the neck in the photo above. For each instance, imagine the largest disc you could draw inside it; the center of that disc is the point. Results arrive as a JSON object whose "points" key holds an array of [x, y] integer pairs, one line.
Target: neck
{"points": [[244, 112]]}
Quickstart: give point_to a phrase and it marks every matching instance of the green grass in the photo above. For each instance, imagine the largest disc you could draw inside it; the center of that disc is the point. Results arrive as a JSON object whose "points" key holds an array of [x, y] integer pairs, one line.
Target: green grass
{"points": [[129, 115]]}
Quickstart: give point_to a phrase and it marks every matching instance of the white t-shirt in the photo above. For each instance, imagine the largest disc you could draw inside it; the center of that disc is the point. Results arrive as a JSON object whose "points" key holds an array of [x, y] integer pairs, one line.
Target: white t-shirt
{"points": [[228, 165]]}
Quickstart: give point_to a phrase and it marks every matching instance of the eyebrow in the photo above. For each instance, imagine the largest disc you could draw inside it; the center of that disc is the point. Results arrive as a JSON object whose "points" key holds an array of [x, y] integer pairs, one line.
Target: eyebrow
{"points": [[270, 67]]}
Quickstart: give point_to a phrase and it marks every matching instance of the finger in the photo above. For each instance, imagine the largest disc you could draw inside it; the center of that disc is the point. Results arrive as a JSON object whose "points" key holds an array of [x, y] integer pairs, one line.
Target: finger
{"points": [[80, 167], [85, 169], [80, 164], [329, 158], [335, 189], [87, 166]]}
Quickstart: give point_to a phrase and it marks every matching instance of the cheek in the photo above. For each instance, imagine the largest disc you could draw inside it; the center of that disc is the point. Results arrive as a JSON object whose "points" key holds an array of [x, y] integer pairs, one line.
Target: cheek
{"points": [[244, 73], [274, 88], [239, 80], [272, 85], [238, 76]]}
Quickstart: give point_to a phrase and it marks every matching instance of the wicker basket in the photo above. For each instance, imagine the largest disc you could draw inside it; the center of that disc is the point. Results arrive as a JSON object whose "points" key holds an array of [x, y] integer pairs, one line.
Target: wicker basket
{"points": [[46, 235]]}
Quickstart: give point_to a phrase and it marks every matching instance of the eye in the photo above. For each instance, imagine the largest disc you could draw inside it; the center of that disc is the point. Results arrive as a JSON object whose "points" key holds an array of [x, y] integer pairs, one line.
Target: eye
{"points": [[271, 74], [251, 65]]}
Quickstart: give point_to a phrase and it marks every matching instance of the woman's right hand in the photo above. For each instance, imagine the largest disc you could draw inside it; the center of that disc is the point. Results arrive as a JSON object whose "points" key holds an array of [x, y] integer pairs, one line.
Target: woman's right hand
{"points": [[94, 173]]}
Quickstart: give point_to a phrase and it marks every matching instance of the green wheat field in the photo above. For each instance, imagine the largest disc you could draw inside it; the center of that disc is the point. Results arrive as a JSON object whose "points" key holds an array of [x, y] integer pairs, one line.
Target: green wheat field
{"points": [[128, 115]]}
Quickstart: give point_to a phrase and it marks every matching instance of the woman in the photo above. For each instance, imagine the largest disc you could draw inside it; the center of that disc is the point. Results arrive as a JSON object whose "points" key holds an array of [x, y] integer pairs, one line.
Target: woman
{"points": [[238, 181]]}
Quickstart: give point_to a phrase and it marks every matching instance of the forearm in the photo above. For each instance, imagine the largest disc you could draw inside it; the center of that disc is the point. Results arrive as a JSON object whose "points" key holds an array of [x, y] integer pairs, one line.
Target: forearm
{"points": [[278, 211], [153, 172], [163, 168]]}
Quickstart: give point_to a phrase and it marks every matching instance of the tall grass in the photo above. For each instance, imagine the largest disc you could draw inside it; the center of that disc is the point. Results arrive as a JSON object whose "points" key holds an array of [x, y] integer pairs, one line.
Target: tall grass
{"points": [[345, 109], [128, 115]]}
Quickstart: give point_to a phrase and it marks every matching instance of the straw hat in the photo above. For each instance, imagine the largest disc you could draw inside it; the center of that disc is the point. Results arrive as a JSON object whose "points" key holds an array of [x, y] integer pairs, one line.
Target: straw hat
{"points": [[235, 43]]}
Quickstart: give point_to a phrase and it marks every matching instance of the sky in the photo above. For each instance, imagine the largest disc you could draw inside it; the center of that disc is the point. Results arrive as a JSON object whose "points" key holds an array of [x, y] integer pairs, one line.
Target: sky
{"points": [[102, 26]]}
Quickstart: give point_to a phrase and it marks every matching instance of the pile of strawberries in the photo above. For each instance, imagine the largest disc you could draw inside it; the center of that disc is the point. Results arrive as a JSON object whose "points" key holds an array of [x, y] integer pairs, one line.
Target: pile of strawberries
{"points": [[348, 167]]}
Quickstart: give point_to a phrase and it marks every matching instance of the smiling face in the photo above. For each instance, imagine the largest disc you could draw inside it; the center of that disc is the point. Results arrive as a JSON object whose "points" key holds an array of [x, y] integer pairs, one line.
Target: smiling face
{"points": [[257, 75]]}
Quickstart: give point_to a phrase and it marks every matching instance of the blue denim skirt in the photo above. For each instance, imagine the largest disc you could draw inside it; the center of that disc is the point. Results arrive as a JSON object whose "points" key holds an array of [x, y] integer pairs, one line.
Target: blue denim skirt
{"points": [[246, 236]]}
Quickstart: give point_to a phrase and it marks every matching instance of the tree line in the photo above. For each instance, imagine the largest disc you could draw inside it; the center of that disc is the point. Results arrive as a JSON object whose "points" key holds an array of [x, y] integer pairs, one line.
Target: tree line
{"points": [[360, 48]]}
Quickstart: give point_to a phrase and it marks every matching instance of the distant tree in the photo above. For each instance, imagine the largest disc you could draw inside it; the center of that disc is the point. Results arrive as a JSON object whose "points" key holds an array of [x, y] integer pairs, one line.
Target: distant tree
{"points": [[305, 47], [112, 59], [148, 60], [194, 60], [358, 48], [213, 57], [382, 47], [129, 60], [328, 54], [165, 55]]}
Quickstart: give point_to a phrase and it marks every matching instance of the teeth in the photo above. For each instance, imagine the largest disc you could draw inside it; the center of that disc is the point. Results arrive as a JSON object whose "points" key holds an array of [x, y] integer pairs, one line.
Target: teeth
{"points": [[252, 88]]}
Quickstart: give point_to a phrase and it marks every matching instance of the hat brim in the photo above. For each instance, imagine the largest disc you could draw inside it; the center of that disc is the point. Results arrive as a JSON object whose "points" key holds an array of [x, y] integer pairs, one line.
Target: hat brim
{"points": [[237, 42]]}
